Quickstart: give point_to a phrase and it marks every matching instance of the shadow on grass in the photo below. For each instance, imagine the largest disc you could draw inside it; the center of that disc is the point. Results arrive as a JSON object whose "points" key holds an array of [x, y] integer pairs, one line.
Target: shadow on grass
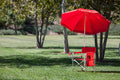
{"points": [[107, 72], [25, 61], [103, 71], [110, 62], [55, 47], [51, 47], [21, 47]]}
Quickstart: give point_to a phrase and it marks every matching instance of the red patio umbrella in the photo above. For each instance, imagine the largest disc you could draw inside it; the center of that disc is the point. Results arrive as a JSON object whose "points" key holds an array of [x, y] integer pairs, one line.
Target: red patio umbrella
{"points": [[85, 21]]}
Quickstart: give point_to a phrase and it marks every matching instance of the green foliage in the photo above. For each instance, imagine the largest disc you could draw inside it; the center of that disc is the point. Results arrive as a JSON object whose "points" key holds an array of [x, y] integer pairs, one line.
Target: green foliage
{"points": [[11, 13], [9, 32]]}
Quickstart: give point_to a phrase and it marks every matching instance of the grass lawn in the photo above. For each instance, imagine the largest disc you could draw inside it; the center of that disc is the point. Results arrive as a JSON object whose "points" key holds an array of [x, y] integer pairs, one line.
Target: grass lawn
{"points": [[21, 60]]}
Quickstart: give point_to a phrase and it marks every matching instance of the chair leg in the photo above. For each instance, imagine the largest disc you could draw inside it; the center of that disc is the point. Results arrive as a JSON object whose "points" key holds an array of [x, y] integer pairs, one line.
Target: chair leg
{"points": [[82, 67], [72, 64]]}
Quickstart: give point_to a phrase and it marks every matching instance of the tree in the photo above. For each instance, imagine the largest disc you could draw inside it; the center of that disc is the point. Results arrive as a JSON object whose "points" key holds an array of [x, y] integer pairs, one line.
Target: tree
{"points": [[111, 10], [10, 13], [46, 11], [66, 47], [4, 18], [67, 4]]}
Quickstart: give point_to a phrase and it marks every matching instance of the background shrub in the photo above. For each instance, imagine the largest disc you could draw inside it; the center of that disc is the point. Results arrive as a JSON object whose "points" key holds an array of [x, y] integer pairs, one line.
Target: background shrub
{"points": [[9, 32], [114, 29], [59, 29], [29, 29]]}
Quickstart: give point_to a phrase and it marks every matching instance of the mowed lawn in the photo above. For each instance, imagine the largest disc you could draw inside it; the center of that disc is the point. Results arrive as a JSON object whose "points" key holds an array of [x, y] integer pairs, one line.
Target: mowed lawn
{"points": [[21, 60]]}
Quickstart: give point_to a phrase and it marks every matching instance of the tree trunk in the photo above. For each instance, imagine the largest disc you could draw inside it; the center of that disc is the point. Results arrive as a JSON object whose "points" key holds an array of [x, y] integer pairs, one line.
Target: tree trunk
{"points": [[101, 46], [36, 27], [37, 33], [15, 29], [96, 45], [104, 45], [107, 14], [45, 31], [66, 47], [40, 36]]}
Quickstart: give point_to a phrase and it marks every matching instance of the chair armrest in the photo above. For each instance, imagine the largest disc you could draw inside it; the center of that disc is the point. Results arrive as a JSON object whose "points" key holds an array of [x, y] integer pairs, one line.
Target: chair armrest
{"points": [[69, 53]]}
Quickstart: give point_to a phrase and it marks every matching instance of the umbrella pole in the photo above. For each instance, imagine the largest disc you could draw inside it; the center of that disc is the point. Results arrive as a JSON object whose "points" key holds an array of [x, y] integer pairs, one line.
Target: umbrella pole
{"points": [[84, 29]]}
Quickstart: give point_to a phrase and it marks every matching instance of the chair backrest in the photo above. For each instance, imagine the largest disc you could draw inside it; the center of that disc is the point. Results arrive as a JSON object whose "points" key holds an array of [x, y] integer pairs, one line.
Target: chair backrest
{"points": [[88, 49], [90, 55]]}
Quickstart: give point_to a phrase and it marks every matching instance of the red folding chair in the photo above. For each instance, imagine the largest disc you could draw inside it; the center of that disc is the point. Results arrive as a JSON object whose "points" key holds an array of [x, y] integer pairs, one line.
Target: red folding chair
{"points": [[84, 58]]}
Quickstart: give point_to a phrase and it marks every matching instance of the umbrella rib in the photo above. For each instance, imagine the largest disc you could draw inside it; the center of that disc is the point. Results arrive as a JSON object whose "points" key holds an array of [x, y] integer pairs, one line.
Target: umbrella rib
{"points": [[84, 28]]}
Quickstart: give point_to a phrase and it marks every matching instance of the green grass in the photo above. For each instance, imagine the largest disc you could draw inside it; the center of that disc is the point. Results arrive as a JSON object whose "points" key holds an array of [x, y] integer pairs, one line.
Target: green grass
{"points": [[21, 60]]}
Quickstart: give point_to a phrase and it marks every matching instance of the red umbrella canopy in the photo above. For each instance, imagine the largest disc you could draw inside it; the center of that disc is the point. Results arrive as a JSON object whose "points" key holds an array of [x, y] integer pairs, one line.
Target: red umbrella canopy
{"points": [[84, 20]]}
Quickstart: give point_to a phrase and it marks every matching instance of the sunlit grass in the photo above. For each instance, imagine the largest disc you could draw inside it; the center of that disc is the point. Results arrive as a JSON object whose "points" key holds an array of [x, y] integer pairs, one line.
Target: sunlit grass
{"points": [[21, 60]]}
